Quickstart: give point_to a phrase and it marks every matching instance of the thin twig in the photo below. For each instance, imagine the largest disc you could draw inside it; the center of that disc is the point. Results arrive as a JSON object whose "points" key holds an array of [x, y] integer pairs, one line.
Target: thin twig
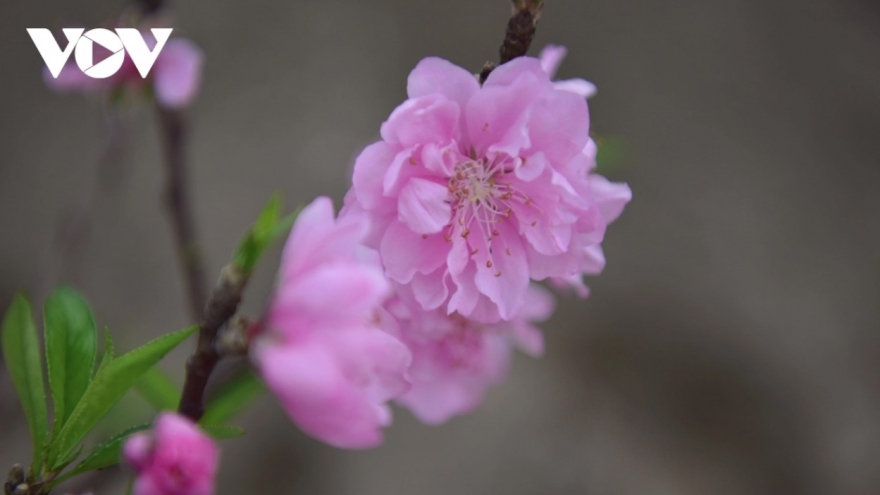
{"points": [[519, 35], [172, 126], [220, 308], [73, 230]]}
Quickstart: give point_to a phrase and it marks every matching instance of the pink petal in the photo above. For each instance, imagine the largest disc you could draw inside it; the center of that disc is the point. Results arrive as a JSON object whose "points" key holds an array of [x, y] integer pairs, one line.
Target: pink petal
{"points": [[178, 73], [435, 75], [580, 87], [573, 283], [497, 117], [430, 290], [610, 197], [405, 252], [429, 119], [423, 206], [369, 170], [316, 238], [509, 73], [532, 167], [559, 127], [356, 289], [503, 277], [551, 58], [594, 260], [466, 296], [318, 398]]}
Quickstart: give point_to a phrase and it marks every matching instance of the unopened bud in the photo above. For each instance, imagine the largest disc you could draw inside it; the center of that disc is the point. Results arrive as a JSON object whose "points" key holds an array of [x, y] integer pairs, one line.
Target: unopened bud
{"points": [[16, 475]]}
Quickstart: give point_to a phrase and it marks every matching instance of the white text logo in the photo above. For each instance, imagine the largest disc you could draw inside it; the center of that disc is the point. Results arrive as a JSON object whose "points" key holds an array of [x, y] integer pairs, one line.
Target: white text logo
{"points": [[123, 40]]}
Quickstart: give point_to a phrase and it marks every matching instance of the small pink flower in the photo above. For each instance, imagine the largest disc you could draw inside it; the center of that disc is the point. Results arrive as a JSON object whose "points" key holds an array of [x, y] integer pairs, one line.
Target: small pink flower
{"points": [[322, 354], [175, 459], [175, 76], [475, 191], [455, 360]]}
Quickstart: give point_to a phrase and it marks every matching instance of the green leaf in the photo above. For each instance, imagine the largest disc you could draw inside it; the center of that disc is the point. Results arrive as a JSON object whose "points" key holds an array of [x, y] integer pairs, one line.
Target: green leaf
{"points": [[21, 351], [71, 348], [157, 389], [269, 216], [268, 227], [232, 398], [104, 455], [109, 385], [221, 432]]}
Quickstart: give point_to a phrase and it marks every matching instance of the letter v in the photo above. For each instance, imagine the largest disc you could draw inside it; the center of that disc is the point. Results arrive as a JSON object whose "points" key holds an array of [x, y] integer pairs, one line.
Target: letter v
{"points": [[51, 51], [137, 48]]}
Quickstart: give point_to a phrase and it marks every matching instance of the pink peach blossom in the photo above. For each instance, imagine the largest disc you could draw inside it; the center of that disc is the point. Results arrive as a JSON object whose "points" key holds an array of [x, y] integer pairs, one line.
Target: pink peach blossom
{"points": [[176, 458], [322, 354], [475, 191], [455, 360]]}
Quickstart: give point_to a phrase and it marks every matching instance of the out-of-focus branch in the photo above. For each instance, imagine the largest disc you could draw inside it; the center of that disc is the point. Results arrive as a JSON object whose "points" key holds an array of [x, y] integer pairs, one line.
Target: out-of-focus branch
{"points": [[150, 6], [172, 127], [519, 35], [73, 231]]}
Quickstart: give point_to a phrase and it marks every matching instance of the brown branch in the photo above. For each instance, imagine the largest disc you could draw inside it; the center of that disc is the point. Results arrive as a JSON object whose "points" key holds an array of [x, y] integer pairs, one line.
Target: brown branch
{"points": [[519, 35], [220, 308], [172, 127]]}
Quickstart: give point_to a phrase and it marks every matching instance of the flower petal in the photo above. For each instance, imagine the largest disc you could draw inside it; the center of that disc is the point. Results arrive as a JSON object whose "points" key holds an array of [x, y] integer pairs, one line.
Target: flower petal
{"points": [[580, 87], [610, 197], [435, 75], [178, 73], [369, 170], [405, 252], [551, 58], [423, 206], [429, 119]]}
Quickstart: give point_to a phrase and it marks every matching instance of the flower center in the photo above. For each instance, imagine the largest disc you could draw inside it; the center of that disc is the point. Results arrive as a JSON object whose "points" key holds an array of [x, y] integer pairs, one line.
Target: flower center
{"points": [[481, 197], [479, 194]]}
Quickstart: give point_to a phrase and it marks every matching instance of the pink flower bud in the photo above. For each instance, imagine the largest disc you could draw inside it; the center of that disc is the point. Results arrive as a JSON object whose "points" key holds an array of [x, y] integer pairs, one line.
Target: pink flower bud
{"points": [[176, 458]]}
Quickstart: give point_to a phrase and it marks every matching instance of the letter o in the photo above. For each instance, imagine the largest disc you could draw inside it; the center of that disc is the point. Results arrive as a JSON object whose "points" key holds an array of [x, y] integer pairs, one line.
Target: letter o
{"points": [[85, 53]]}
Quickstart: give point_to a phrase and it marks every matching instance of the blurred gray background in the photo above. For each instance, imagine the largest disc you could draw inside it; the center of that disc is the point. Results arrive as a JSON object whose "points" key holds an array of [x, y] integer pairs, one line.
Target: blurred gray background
{"points": [[732, 346]]}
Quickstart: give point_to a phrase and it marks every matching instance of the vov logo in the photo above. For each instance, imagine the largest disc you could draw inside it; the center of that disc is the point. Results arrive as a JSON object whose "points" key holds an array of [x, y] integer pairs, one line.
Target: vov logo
{"points": [[123, 40]]}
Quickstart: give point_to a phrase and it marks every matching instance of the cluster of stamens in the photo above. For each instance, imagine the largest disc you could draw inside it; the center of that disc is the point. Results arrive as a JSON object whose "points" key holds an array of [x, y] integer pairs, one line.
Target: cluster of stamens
{"points": [[481, 198]]}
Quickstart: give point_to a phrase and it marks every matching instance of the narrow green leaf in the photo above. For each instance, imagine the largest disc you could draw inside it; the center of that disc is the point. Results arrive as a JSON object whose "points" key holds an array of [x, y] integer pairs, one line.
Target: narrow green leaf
{"points": [[264, 231], [21, 351], [105, 390], [269, 216], [104, 455], [221, 432], [157, 389], [71, 348], [232, 397]]}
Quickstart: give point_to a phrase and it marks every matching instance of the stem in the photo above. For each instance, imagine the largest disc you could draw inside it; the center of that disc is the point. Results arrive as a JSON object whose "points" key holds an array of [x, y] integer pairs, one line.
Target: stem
{"points": [[172, 126], [220, 308], [519, 35]]}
